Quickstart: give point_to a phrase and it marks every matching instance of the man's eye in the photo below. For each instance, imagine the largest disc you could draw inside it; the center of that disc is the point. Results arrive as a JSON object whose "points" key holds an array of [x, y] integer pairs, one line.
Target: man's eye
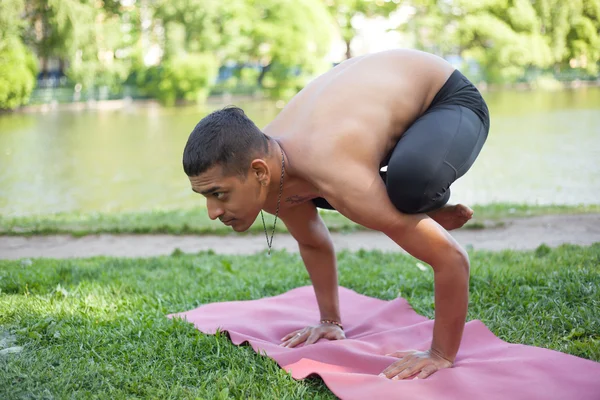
{"points": [[218, 195]]}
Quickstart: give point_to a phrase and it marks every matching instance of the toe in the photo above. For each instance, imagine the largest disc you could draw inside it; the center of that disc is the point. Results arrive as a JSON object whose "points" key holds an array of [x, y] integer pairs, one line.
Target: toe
{"points": [[465, 211]]}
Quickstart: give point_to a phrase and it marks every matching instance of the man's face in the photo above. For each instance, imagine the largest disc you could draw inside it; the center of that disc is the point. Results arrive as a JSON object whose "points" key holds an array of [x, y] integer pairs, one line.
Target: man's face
{"points": [[235, 201]]}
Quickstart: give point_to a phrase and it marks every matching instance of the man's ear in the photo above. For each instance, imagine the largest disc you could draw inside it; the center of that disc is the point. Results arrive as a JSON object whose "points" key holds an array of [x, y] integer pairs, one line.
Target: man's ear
{"points": [[260, 170]]}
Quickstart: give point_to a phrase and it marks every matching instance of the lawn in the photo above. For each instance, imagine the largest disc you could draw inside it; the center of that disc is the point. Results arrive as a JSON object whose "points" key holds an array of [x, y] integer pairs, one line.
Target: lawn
{"points": [[96, 328], [196, 221]]}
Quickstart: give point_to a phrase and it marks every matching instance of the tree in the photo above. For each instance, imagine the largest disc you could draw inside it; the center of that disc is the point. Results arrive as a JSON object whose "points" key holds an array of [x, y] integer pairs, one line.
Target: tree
{"points": [[504, 40], [58, 28], [344, 11], [199, 35], [18, 66], [201, 26], [11, 24], [583, 37], [289, 40], [509, 37], [98, 61], [82, 34]]}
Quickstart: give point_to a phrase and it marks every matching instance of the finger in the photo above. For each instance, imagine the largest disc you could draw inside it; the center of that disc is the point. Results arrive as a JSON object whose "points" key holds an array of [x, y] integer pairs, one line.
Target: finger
{"points": [[400, 354], [296, 340], [312, 338], [340, 335], [426, 371], [409, 370], [289, 342], [396, 367], [290, 335], [285, 343]]}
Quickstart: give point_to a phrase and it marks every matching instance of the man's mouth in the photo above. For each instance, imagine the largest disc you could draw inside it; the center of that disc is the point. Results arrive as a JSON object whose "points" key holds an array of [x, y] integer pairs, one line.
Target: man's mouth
{"points": [[228, 222]]}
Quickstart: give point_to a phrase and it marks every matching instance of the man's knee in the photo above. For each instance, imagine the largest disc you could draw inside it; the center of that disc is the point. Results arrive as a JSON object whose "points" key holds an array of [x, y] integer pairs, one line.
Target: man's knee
{"points": [[405, 190], [408, 203], [415, 188], [415, 203]]}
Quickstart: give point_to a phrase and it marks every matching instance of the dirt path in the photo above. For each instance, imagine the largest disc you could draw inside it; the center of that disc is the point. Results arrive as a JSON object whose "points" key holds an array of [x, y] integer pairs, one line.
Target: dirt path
{"points": [[518, 234]]}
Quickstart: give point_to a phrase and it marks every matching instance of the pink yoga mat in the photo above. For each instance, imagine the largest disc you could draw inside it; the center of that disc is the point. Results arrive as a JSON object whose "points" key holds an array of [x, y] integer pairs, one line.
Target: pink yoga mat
{"points": [[485, 368]]}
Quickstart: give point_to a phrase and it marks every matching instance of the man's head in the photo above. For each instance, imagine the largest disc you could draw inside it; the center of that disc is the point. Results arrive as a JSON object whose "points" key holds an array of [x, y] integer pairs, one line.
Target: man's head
{"points": [[225, 159]]}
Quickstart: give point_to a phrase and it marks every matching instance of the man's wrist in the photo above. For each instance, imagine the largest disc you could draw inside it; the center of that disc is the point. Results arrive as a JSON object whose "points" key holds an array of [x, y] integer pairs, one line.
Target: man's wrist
{"points": [[441, 355], [327, 321]]}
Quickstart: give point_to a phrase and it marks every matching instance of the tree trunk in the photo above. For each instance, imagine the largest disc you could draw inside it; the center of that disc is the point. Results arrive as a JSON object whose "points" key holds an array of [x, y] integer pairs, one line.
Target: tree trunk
{"points": [[45, 67], [348, 49], [61, 66], [263, 72]]}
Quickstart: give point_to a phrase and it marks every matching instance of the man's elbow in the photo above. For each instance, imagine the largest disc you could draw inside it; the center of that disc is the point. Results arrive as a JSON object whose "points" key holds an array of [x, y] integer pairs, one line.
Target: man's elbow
{"points": [[318, 240], [321, 244], [451, 259], [460, 258]]}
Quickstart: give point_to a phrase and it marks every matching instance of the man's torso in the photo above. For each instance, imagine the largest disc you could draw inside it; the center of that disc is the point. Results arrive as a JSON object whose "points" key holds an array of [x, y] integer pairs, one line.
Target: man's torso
{"points": [[352, 116]]}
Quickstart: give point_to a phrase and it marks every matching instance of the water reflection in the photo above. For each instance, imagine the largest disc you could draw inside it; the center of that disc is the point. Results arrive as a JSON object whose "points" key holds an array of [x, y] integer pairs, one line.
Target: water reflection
{"points": [[543, 147]]}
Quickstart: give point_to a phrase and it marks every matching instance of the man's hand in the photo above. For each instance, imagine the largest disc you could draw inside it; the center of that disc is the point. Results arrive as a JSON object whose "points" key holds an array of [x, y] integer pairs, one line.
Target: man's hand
{"points": [[311, 334], [411, 363]]}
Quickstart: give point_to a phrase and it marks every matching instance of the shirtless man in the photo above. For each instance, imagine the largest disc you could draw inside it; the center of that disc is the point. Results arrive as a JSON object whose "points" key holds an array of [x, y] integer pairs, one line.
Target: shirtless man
{"points": [[407, 110]]}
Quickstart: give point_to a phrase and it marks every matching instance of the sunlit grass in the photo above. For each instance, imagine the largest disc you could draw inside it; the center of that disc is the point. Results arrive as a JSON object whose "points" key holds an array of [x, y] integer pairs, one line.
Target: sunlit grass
{"points": [[196, 221], [96, 328]]}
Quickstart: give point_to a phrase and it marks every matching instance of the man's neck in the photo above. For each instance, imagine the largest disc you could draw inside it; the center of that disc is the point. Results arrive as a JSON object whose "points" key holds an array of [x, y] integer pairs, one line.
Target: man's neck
{"points": [[297, 190], [276, 168]]}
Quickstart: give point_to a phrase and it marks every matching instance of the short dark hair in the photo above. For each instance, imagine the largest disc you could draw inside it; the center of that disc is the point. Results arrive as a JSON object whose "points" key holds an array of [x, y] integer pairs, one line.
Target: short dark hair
{"points": [[226, 137]]}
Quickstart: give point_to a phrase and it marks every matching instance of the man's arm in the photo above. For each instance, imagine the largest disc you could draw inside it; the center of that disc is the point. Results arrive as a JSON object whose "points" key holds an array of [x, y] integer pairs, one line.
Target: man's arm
{"points": [[317, 251], [369, 205]]}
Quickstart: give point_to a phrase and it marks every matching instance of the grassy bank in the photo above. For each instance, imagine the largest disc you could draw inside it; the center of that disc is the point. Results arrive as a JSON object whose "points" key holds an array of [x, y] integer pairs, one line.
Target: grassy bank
{"points": [[182, 222], [96, 328]]}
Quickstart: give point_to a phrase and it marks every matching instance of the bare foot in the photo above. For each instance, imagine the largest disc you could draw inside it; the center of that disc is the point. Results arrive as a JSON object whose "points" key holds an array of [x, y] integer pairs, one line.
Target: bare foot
{"points": [[452, 217]]}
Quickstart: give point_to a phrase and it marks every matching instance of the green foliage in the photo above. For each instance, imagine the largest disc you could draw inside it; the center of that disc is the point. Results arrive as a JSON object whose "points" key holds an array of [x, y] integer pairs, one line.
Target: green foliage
{"points": [[204, 25], [511, 53], [97, 327], [18, 69], [11, 23], [289, 41], [63, 26], [18, 66], [197, 222], [84, 35], [184, 77], [508, 37], [584, 42], [283, 43], [286, 40], [96, 63], [343, 11]]}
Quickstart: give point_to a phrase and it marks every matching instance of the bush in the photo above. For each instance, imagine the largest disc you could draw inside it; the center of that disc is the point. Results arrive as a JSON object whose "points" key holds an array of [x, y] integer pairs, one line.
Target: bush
{"points": [[18, 69], [186, 77], [93, 75]]}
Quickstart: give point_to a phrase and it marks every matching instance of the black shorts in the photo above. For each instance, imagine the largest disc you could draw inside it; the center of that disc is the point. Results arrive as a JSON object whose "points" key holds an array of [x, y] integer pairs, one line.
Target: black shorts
{"points": [[437, 149]]}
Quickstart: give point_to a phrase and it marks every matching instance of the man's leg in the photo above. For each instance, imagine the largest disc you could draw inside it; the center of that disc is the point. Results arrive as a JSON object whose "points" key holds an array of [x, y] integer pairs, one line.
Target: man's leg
{"points": [[436, 150]]}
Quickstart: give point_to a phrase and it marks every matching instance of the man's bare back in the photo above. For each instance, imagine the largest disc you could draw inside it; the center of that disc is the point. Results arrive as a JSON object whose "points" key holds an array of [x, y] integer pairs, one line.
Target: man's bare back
{"points": [[360, 108], [351, 117]]}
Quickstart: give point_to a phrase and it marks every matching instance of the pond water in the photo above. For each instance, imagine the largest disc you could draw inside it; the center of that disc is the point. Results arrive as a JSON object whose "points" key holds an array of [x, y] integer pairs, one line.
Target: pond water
{"points": [[543, 148]]}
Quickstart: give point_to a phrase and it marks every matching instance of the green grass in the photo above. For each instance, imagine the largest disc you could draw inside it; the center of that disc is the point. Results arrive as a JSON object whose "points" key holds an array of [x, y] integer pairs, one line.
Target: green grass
{"points": [[181, 222], [96, 328]]}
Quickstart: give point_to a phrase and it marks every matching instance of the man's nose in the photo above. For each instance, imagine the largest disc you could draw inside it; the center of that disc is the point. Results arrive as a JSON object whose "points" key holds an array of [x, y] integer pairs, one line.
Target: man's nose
{"points": [[214, 210]]}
